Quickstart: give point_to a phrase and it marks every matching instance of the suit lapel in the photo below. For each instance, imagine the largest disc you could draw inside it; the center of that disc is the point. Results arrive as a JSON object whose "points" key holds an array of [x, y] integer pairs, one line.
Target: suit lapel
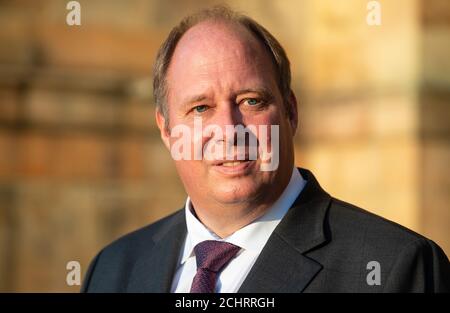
{"points": [[155, 267], [283, 265], [280, 268]]}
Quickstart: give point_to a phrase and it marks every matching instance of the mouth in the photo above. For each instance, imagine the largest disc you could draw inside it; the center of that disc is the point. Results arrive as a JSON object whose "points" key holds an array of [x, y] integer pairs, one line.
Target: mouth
{"points": [[230, 161], [233, 168], [233, 163]]}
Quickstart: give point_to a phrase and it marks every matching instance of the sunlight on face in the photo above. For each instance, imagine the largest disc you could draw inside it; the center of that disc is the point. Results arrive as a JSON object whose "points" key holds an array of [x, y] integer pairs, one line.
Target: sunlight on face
{"points": [[223, 76]]}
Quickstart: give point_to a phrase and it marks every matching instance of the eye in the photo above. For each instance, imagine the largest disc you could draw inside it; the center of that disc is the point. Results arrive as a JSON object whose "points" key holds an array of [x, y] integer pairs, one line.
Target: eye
{"points": [[252, 101], [200, 108]]}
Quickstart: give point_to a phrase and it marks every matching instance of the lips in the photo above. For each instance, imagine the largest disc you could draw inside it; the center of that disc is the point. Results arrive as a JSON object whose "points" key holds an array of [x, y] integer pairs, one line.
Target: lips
{"points": [[232, 163], [234, 168]]}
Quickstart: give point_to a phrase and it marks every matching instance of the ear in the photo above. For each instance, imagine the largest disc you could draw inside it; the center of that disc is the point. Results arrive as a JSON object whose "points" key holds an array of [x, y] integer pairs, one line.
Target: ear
{"points": [[161, 122], [293, 112]]}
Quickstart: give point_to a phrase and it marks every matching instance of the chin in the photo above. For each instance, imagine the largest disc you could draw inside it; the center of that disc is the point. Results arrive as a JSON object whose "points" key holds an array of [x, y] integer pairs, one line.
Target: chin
{"points": [[236, 193]]}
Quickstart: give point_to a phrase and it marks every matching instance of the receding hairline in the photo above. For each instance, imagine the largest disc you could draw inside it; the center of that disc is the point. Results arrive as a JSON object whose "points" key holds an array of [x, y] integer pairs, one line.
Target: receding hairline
{"points": [[221, 13], [233, 26], [249, 41]]}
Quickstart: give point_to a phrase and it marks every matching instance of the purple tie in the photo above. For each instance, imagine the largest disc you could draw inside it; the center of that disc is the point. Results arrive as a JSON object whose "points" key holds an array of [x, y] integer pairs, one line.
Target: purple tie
{"points": [[211, 257]]}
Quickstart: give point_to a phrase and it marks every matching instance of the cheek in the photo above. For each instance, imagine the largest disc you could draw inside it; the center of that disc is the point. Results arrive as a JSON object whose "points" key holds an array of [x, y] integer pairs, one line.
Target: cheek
{"points": [[264, 125], [185, 141], [191, 172], [272, 116]]}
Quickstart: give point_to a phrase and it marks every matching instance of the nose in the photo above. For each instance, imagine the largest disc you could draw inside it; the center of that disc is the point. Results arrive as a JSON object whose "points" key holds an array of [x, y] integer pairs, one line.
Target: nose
{"points": [[227, 116], [231, 140]]}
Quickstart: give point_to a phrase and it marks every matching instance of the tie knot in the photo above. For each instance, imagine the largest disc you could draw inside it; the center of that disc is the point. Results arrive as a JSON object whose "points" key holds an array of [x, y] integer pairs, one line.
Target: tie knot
{"points": [[213, 255]]}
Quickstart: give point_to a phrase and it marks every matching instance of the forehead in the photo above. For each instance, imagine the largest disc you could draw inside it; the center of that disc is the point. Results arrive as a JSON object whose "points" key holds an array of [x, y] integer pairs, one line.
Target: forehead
{"points": [[216, 54]]}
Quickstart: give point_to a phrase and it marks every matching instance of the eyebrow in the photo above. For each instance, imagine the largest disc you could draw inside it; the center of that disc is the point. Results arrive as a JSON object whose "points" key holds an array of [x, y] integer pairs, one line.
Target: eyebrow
{"points": [[187, 104], [197, 98], [264, 92]]}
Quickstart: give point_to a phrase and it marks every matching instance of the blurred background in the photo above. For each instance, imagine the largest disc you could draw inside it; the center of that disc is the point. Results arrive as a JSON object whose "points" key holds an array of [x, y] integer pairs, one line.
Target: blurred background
{"points": [[81, 161]]}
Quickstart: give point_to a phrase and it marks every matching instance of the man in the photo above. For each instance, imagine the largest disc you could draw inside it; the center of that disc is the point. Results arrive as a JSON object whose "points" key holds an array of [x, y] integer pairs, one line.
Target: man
{"points": [[248, 226]]}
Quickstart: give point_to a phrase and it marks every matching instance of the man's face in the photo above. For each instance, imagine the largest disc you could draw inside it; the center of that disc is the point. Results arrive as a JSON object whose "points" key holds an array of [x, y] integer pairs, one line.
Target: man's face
{"points": [[221, 75]]}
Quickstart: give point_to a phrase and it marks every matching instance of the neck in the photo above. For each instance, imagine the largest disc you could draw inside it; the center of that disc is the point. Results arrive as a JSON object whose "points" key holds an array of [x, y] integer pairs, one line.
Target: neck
{"points": [[225, 224], [226, 218]]}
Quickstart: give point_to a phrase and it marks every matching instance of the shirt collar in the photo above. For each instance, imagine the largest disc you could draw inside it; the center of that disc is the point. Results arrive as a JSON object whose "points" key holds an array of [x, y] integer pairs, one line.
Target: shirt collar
{"points": [[252, 237]]}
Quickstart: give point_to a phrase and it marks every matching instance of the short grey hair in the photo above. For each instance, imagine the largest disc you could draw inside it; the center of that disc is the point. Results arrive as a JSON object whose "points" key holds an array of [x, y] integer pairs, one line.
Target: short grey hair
{"points": [[217, 13]]}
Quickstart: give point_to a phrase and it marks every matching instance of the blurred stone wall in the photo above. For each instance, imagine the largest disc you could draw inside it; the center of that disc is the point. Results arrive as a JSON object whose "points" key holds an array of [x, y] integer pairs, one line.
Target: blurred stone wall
{"points": [[81, 161], [434, 127]]}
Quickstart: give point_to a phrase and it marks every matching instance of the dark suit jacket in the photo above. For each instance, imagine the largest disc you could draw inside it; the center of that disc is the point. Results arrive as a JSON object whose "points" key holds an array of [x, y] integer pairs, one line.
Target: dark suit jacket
{"points": [[321, 245]]}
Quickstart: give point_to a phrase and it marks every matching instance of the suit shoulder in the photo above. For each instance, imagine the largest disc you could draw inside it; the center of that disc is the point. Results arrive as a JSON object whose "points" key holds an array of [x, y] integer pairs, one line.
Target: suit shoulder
{"points": [[142, 236], [407, 261], [110, 269], [355, 222]]}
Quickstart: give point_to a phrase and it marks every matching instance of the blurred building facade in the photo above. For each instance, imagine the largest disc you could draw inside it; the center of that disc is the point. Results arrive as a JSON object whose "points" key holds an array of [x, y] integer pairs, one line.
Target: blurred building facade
{"points": [[81, 161]]}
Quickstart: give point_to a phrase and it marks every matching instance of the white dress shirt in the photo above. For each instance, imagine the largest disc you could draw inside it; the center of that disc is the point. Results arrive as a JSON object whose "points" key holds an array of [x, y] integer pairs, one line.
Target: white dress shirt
{"points": [[251, 238]]}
